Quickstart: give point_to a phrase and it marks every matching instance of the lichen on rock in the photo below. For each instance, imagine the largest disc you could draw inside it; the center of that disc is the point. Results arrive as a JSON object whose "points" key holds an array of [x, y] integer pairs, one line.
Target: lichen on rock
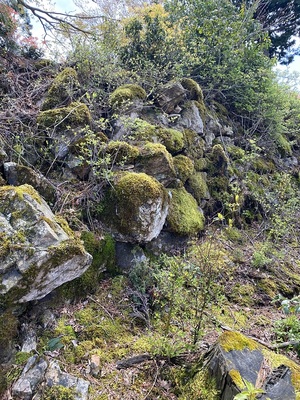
{"points": [[38, 254]]}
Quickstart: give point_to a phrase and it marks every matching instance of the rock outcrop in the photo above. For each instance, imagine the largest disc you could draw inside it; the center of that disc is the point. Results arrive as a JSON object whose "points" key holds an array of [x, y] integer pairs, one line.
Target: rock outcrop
{"points": [[39, 252], [136, 209], [236, 359]]}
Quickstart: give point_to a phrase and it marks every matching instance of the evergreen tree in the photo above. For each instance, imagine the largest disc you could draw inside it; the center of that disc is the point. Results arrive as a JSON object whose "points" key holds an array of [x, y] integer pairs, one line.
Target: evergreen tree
{"points": [[281, 19]]}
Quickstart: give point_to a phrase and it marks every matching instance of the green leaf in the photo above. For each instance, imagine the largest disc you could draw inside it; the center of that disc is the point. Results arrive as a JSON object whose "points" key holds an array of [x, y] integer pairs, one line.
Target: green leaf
{"points": [[55, 344]]}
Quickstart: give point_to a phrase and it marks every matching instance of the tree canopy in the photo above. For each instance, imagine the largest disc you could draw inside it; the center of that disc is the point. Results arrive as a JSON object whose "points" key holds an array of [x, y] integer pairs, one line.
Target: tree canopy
{"points": [[281, 19]]}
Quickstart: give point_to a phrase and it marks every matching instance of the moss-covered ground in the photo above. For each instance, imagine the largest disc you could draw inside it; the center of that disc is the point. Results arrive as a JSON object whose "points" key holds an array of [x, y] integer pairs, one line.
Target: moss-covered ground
{"points": [[123, 319]]}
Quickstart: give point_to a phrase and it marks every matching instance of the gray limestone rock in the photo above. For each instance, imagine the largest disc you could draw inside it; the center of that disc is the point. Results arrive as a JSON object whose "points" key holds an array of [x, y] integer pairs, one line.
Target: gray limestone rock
{"points": [[55, 377], [31, 377], [190, 118], [39, 251], [17, 175]]}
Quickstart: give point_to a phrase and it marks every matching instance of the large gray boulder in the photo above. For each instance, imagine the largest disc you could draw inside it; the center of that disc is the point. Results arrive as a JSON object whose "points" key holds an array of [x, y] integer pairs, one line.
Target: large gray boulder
{"points": [[39, 252]]}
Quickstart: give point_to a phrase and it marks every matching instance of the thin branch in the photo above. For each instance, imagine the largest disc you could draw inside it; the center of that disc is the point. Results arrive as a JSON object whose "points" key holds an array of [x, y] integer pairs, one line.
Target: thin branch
{"points": [[53, 18]]}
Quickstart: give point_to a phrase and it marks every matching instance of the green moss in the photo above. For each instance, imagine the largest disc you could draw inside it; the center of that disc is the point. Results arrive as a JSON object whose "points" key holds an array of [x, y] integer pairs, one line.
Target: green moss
{"points": [[275, 360], [184, 217], [218, 161], [152, 156], [137, 188], [218, 185], [21, 357], [236, 153], [234, 234], [242, 294], [268, 286], [171, 138], [121, 152], [62, 222], [283, 145], [236, 341], [102, 250], [59, 393], [198, 187], [8, 330], [125, 94], [194, 145], [201, 386], [236, 378], [64, 330], [62, 90], [75, 115], [201, 164], [195, 92], [20, 191], [184, 167]]}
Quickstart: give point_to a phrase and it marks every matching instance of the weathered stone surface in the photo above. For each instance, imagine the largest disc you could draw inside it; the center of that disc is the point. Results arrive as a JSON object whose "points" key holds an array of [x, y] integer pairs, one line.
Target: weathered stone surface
{"points": [[235, 359], [136, 210], [170, 96], [39, 252], [31, 377], [156, 161], [54, 377], [128, 255], [190, 118], [17, 175]]}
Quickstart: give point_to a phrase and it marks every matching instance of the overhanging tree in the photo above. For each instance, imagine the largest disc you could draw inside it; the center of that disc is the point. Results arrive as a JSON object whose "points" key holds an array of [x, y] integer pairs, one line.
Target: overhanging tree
{"points": [[281, 19]]}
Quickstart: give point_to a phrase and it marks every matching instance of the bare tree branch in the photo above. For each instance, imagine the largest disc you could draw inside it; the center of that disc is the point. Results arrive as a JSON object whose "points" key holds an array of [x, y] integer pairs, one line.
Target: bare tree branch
{"points": [[54, 20]]}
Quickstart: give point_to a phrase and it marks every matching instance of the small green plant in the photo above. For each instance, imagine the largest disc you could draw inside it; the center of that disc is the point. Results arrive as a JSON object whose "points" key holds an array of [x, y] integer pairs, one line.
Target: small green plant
{"points": [[249, 393], [288, 329]]}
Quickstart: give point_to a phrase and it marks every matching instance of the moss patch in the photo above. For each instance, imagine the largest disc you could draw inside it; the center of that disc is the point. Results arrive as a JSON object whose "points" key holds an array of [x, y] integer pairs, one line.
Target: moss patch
{"points": [[184, 167], [75, 115], [230, 341], [121, 152], [195, 92], [198, 187], [125, 94], [184, 217], [62, 90]]}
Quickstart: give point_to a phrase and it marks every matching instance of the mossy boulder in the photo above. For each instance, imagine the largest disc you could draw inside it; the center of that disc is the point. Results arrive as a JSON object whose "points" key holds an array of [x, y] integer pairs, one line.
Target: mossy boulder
{"points": [[63, 89], [184, 167], [39, 251], [121, 152], [184, 217], [236, 358], [126, 94], [73, 116], [156, 161], [136, 209], [194, 91], [197, 186], [217, 161], [16, 175]]}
